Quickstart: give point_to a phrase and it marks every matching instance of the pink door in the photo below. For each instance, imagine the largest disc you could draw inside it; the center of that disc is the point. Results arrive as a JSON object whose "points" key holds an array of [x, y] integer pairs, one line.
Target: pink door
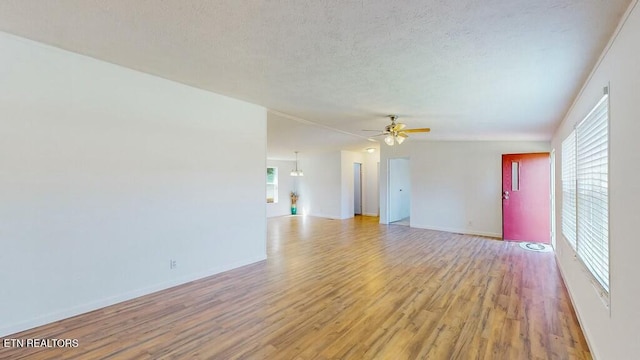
{"points": [[526, 197]]}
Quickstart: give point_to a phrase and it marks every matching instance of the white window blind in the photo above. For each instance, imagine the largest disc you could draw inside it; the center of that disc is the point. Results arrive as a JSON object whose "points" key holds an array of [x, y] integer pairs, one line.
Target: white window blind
{"points": [[592, 164], [569, 188]]}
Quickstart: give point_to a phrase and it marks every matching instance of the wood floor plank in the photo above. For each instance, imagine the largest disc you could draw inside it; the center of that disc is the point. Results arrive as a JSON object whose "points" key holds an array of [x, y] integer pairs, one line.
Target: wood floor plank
{"points": [[350, 289]]}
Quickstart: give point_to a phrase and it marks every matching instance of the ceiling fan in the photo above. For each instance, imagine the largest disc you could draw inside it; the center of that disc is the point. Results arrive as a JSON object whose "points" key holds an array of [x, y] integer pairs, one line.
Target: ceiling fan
{"points": [[396, 132]]}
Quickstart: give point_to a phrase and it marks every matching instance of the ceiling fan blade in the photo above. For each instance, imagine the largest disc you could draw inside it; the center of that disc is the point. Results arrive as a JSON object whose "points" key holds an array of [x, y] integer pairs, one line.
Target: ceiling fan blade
{"points": [[425, 130], [400, 126], [369, 130], [403, 134]]}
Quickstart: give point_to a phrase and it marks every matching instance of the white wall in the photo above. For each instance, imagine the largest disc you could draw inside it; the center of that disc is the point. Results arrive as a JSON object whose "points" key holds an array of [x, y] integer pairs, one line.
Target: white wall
{"points": [[321, 185], [286, 184], [107, 173], [327, 189], [612, 333], [348, 158], [455, 186]]}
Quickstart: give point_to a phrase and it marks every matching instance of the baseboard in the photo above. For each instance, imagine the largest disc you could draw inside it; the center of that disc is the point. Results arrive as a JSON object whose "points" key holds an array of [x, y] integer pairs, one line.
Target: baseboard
{"points": [[278, 215], [370, 214], [459, 231], [325, 216], [573, 303], [112, 300]]}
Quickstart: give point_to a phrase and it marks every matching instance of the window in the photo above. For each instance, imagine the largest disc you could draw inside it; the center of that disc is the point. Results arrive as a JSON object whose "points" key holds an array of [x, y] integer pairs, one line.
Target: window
{"points": [[272, 184], [515, 176], [585, 175]]}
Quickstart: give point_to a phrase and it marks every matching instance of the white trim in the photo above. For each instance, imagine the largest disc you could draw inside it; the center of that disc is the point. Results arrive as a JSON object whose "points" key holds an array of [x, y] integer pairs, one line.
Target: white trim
{"points": [[307, 122], [459, 231], [331, 217], [112, 300], [324, 216], [573, 303]]}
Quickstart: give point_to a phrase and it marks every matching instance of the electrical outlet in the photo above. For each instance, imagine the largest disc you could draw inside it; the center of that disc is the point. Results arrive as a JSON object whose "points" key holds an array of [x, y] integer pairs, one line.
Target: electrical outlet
{"points": [[173, 264]]}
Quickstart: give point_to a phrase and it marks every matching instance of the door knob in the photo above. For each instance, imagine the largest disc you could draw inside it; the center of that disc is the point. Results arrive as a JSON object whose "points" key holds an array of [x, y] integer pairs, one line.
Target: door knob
{"points": [[505, 195]]}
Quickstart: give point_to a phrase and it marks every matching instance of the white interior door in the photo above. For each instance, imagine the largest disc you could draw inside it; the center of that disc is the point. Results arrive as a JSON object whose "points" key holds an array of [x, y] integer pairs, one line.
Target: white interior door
{"points": [[399, 189]]}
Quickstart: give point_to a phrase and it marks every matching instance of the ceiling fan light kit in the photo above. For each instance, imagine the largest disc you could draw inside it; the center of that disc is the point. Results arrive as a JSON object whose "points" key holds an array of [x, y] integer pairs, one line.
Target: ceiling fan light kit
{"points": [[389, 140]]}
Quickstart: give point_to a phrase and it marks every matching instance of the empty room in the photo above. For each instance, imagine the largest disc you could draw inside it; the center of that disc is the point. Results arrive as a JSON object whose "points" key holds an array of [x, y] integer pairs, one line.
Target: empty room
{"points": [[319, 179]]}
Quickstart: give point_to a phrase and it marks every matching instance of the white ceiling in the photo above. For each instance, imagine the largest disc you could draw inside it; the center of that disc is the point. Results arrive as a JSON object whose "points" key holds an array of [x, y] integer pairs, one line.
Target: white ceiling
{"points": [[493, 69], [287, 134]]}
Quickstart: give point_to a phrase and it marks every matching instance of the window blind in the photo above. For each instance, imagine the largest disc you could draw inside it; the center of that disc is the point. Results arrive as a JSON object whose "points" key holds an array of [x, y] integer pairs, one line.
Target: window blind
{"points": [[569, 189], [592, 168]]}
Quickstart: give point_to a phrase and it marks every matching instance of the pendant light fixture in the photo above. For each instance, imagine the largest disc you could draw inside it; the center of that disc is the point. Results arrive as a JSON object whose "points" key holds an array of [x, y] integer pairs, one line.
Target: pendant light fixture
{"points": [[297, 172]]}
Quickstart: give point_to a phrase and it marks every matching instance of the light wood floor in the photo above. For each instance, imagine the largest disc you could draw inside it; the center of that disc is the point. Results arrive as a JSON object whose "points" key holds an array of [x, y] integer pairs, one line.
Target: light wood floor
{"points": [[348, 289]]}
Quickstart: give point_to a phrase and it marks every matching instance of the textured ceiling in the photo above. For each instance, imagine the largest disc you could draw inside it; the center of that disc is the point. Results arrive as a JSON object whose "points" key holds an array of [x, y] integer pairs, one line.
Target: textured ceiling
{"points": [[493, 69]]}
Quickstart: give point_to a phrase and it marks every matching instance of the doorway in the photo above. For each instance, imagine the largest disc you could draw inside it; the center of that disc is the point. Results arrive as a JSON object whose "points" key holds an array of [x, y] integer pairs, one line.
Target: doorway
{"points": [[399, 207], [526, 197], [357, 189]]}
